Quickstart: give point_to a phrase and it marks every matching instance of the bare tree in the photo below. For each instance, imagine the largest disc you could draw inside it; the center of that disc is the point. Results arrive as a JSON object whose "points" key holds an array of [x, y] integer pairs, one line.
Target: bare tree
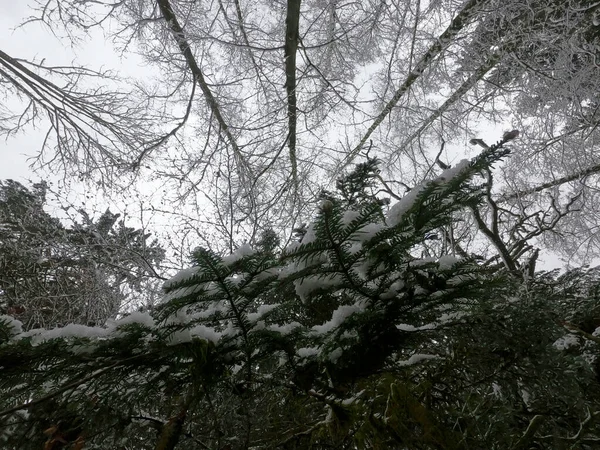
{"points": [[95, 124], [256, 103]]}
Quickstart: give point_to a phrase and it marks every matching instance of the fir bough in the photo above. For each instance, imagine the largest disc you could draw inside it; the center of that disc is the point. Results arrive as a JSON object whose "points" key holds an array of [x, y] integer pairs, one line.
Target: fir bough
{"points": [[347, 338]]}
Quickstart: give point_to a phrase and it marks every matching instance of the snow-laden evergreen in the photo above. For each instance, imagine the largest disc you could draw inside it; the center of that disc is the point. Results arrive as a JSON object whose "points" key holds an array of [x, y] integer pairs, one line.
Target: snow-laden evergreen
{"points": [[348, 338]]}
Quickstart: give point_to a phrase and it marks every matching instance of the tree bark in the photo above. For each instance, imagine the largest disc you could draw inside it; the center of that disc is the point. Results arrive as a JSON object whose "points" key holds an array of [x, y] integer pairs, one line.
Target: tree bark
{"points": [[179, 35], [292, 36]]}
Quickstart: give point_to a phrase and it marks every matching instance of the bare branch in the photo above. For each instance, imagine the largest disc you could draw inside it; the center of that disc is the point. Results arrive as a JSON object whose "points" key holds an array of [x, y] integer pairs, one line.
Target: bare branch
{"points": [[446, 39], [184, 46], [557, 182]]}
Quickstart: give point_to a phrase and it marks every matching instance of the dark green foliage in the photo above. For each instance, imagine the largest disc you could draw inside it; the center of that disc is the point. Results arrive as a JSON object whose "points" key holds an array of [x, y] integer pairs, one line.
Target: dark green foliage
{"points": [[347, 339], [357, 188]]}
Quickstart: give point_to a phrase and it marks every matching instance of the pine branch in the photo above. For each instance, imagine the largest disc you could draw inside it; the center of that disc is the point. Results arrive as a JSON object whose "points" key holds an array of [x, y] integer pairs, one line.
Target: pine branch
{"points": [[65, 388], [340, 256]]}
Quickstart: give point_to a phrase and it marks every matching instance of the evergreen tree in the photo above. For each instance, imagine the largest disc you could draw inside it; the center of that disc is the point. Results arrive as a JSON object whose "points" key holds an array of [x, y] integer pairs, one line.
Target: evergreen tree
{"points": [[346, 339], [51, 274]]}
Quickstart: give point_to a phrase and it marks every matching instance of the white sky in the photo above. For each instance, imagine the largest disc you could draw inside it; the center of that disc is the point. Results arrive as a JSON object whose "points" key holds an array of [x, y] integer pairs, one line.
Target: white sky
{"points": [[36, 41], [13, 153]]}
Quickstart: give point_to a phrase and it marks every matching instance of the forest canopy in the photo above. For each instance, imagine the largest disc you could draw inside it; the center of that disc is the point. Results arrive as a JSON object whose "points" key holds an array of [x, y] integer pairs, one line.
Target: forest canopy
{"points": [[356, 197]]}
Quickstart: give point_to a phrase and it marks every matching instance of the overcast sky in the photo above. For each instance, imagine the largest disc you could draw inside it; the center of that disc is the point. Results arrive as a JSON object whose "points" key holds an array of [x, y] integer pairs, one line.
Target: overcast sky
{"points": [[36, 41], [25, 44]]}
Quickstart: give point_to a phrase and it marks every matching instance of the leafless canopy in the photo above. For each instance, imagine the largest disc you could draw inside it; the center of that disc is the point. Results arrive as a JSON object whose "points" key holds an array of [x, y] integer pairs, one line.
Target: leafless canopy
{"points": [[248, 107]]}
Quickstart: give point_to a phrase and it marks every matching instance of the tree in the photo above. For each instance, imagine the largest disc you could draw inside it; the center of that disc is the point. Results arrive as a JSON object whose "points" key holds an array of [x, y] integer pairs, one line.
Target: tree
{"points": [[550, 90], [286, 94], [55, 275], [348, 338]]}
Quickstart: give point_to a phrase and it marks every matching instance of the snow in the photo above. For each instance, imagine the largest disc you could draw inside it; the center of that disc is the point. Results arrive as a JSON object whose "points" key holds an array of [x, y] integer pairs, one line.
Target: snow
{"points": [[40, 335], [310, 235], [396, 212], [230, 330], [526, 396], [311, 283], [261, 311], [459, 279], [419, 290], [454, 171], [446, 262], [349, 216], [407, 327], [213, 308], [566, 342], [182, 275], [206, 333], [355, 248], [351, 400], [393, 290], [199, 331], [284, 329], [179, 337], [496, 390], [349, 334], [292, 247], [210, 288], [182, 334], [367, 232], [268, 273], [422, 262], [142, 318], [306, 352], [337, 318], [286, 270], [362, 268], [72, 330], [416, 359], [82, 349], [447, 317], [185, 291], [335, 355], [185, 332], [236, 279], [15, 326], [406, 203], [241, 252]]}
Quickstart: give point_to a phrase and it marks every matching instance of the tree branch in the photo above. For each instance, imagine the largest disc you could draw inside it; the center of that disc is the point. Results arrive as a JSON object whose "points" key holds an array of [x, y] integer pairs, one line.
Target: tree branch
{"points": [[291, 46], [184, 46], [567, 178], [444, 41], [65, 388], [456, 95]]}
